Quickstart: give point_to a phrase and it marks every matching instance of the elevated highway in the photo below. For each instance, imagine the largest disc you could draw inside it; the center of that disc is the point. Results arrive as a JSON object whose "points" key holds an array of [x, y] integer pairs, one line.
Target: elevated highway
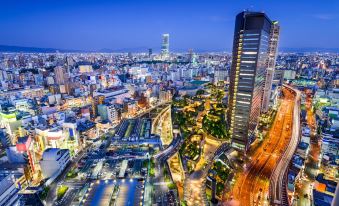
{"points": [[252, 185], [278, 180]]}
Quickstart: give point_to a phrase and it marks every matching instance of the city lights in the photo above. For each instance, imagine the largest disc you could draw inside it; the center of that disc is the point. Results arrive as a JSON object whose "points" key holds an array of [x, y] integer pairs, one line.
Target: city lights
{"points": [[190, 103]]}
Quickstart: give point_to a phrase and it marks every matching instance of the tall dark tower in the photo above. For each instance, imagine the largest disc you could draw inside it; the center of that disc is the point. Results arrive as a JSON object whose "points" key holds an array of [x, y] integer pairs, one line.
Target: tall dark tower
{"points": [[247, 76]]}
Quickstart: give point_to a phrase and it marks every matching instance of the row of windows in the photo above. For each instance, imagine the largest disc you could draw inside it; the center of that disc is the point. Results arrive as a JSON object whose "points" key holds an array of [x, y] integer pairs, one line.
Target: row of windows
{"points": [[249, 43], [242, 102], [248, 62], [248, 57], [250, 39], [250, 48], [249, 52], [243, 94], [251, 34], [246, 74], [245, 80], [247, 68]]}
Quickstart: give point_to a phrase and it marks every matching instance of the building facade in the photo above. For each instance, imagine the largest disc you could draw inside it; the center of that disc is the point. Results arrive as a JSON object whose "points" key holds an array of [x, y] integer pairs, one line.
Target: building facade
{"points": [[165, 45], [247, 76], [220, 75], [59, 73], [271, 61], [54, 161]]}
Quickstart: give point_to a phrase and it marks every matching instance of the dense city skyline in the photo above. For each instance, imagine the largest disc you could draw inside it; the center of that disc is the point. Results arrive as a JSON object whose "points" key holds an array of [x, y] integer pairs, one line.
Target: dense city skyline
{"points": [[143, 103], [136, 25]]}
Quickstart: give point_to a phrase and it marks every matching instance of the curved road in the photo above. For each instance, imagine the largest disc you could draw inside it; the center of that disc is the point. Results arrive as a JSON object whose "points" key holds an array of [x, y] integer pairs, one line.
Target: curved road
{"points": [[278, 190], [252, 187]]}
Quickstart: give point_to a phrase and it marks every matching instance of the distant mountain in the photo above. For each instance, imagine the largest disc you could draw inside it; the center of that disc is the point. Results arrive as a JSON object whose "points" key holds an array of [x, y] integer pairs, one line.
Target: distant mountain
{"points": [[308, 49], [135, 49], [6, 48]]}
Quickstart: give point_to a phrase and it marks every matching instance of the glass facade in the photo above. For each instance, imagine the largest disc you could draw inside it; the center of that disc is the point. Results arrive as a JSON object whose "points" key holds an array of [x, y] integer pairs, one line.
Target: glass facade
{"points": [[165, 44], [272, 56], [247, 76]]}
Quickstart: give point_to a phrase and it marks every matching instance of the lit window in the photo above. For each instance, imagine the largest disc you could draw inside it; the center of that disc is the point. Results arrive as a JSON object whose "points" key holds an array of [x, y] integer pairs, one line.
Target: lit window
{"points": [[250, 52], [250, 62], [244, 74]]}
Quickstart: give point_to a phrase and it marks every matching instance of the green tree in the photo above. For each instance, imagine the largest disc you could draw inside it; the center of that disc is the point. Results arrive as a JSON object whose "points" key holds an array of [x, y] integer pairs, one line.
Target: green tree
{"points": [[200, 92]]}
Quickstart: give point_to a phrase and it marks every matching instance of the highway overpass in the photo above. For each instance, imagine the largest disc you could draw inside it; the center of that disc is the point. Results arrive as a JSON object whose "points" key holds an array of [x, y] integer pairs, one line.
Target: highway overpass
{"points": [[278, 181]]}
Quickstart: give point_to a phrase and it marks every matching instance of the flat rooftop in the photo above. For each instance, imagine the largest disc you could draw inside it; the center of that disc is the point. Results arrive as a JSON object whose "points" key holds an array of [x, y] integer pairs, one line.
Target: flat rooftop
{"points": [[130, 192], [303, 145]]}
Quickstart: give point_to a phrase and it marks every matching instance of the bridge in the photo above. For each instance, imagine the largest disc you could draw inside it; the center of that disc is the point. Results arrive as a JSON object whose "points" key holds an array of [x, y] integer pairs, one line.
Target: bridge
{"points": [[170, 150]]}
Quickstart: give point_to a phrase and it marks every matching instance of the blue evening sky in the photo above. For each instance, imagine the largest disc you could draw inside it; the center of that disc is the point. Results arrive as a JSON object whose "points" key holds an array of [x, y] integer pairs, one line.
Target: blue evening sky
{"points": [[197, 24]]}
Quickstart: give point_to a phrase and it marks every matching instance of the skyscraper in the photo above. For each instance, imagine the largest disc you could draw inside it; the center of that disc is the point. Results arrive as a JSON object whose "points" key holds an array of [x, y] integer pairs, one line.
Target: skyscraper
{"points": [[220, 75], [150, 51], [59, 73], [272, 56], [165, 45], [247, 75]]}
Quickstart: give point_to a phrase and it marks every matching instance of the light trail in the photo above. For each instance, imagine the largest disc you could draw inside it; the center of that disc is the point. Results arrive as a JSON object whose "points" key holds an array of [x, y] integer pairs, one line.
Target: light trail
{"points": [[252, 187], [278, 190]]}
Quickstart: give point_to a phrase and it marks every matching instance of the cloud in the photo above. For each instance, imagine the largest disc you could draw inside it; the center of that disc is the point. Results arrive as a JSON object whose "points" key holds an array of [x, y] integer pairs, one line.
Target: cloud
{"points": [[325, 16]]}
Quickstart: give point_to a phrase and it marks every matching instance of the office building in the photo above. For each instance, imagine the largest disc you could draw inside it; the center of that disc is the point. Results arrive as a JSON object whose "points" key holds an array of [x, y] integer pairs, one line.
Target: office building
{"points": [[108, 112], [113, 114], [330, 145], [54, 161], [165, 96], [165, 45], [220, 75], [150, 51], [271, 60], [100, 99], [247, 76], [102, 112], [59, 73]]}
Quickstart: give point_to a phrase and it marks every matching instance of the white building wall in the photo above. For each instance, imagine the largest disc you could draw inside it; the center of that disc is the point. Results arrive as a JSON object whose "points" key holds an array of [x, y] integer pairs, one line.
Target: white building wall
{"points": [[54, 166]]}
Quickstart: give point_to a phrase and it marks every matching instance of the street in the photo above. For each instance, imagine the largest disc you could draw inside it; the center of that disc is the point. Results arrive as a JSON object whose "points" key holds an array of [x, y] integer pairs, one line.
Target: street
{"points": [[252, 185]]}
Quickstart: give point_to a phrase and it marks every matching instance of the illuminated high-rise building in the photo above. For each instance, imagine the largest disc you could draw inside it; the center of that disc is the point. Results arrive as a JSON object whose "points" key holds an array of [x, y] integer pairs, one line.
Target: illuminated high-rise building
{"points": [[165, 45], [271, 60], [59, 73], [247, 76]]}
